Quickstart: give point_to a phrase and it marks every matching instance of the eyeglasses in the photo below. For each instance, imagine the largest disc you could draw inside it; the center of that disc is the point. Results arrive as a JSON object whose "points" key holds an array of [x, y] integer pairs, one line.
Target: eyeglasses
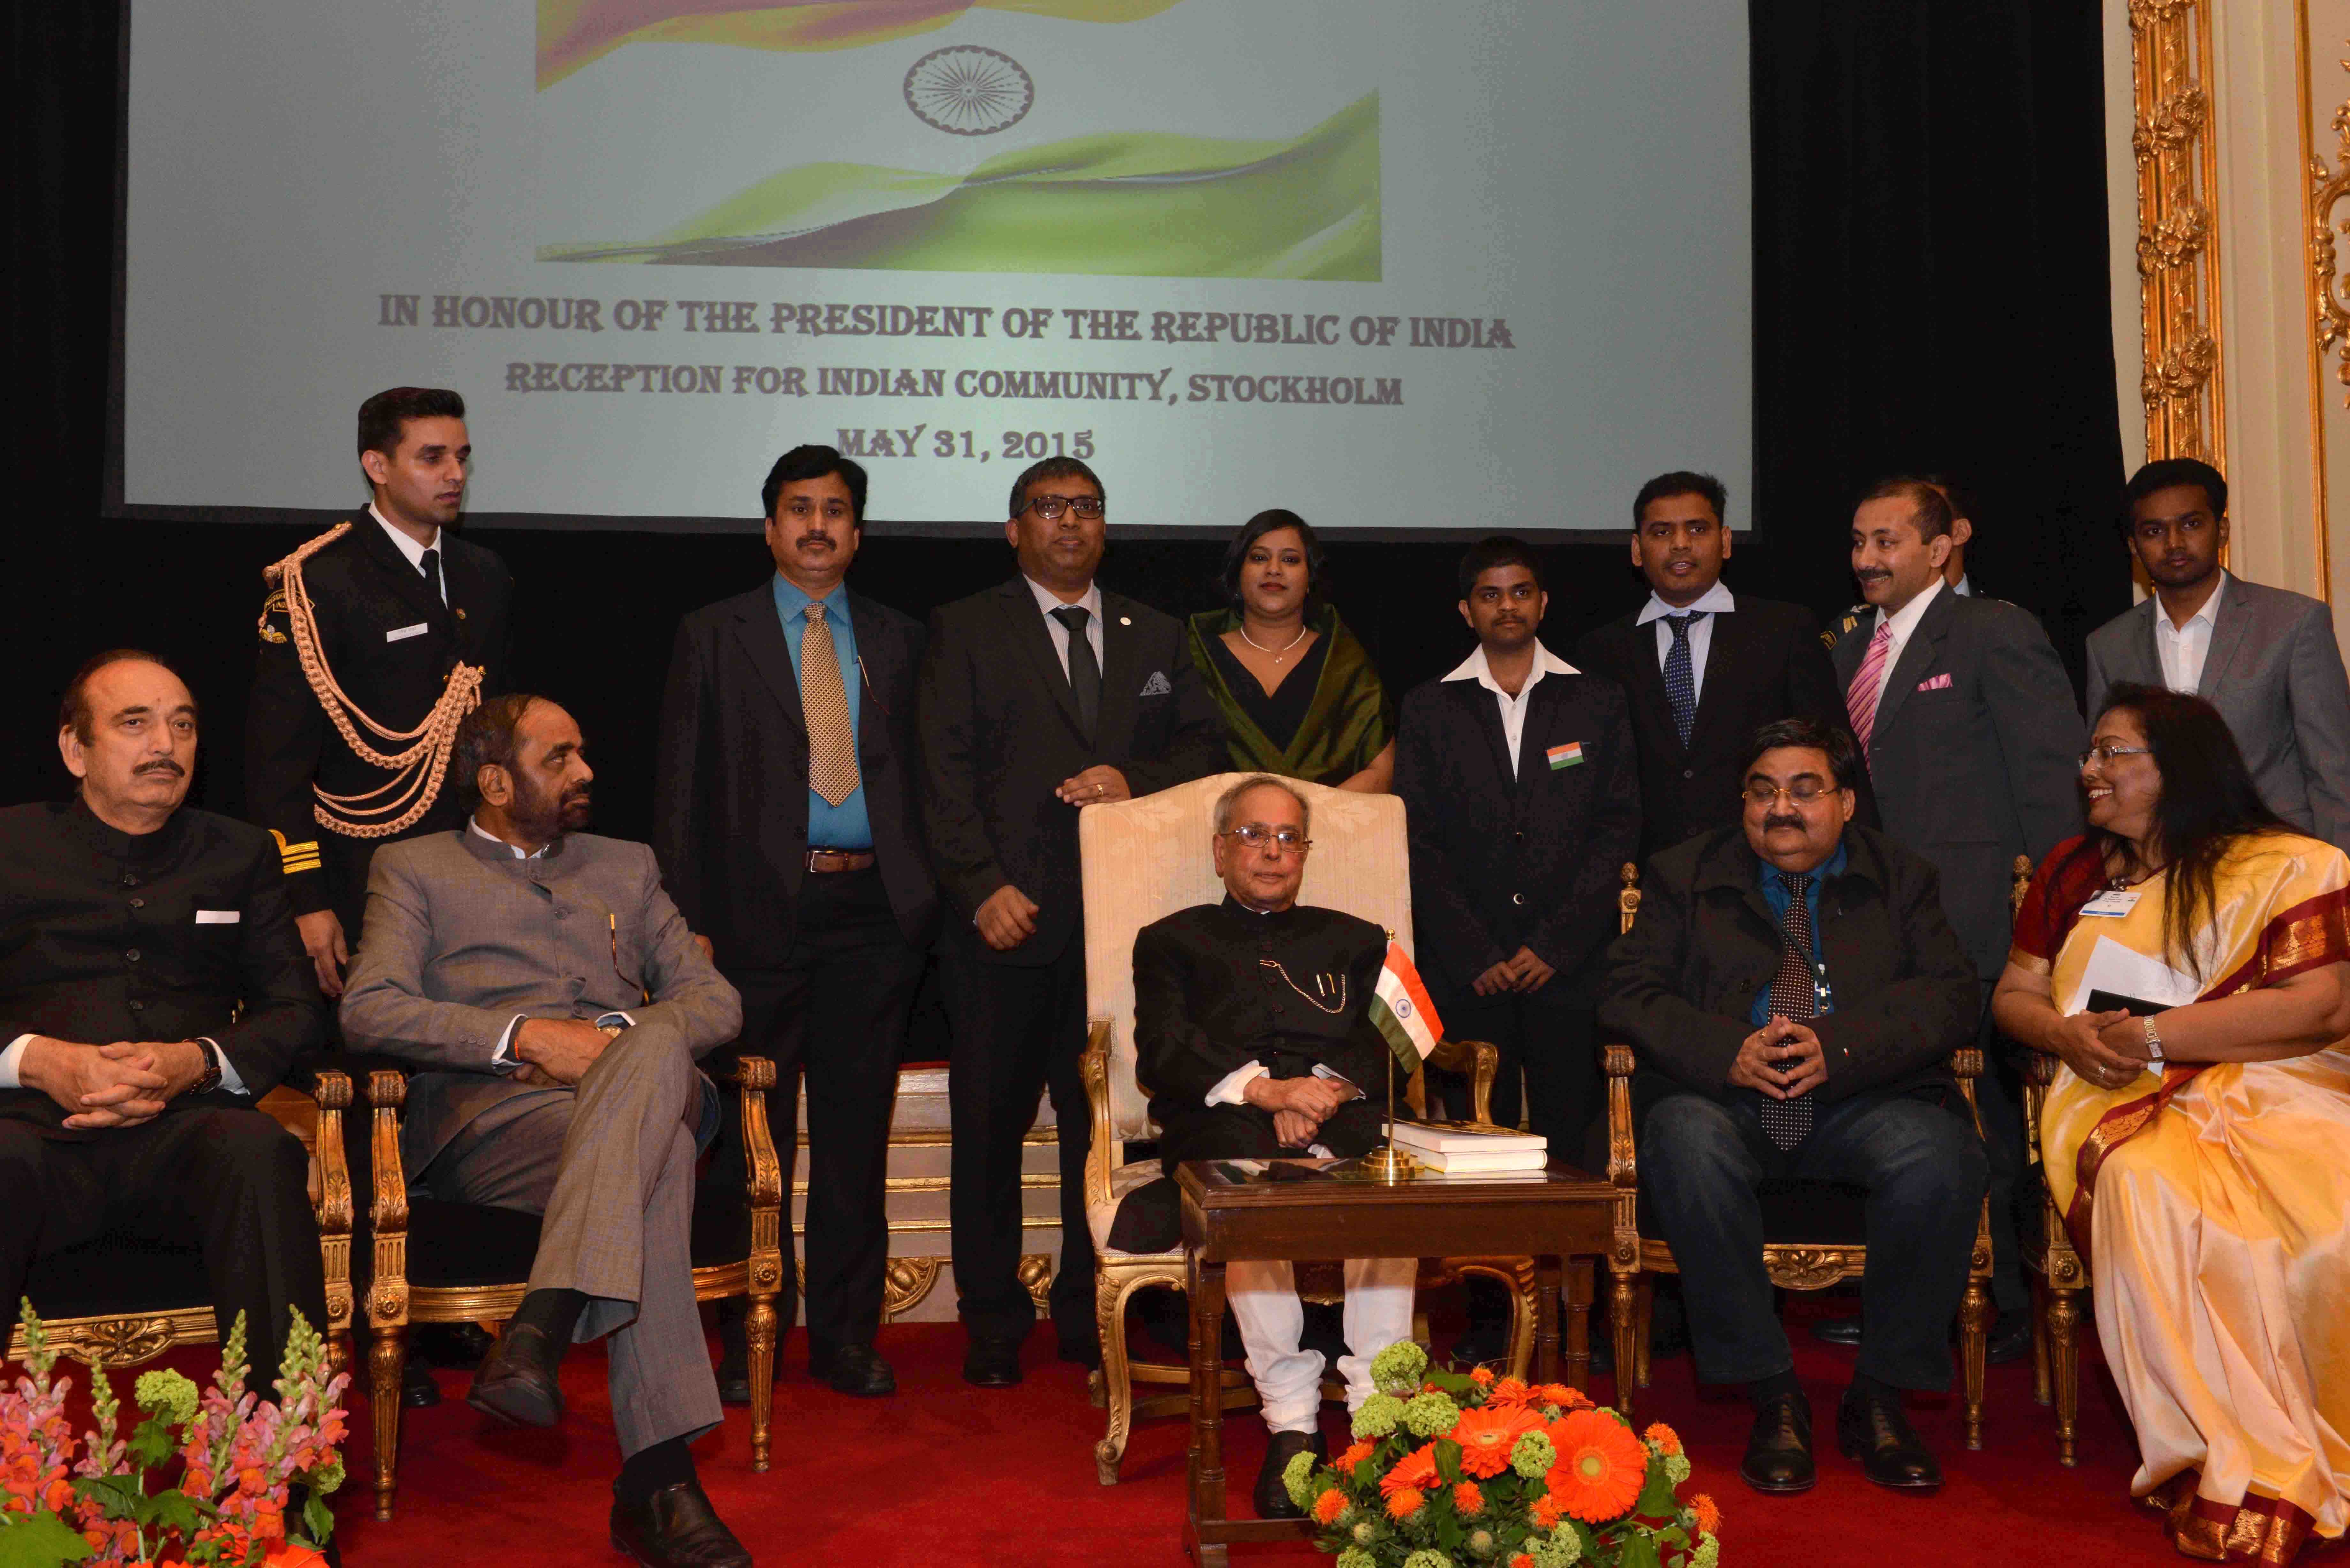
{"points": [[1802, 792], [1050, 507], [2104, 755], [1282, 840]]}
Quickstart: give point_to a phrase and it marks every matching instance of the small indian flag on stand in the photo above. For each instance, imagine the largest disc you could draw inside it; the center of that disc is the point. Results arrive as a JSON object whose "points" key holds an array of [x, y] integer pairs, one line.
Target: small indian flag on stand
{"points": [[1401, 1008], [1565, 756]]}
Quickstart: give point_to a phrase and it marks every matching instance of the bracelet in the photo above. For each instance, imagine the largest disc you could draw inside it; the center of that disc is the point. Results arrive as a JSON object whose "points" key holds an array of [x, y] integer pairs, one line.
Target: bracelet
{"points": [[210, 1078], [2153, 1042]]}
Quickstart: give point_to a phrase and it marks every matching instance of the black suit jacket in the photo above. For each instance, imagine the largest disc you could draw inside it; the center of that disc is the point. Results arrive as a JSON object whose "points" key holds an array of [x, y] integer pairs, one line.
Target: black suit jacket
{"points": [[999, 731], [102, 939], [1502, 861], [1681, 982], [1764, 663], [1974, 754], [730, 790], [363, 591]]}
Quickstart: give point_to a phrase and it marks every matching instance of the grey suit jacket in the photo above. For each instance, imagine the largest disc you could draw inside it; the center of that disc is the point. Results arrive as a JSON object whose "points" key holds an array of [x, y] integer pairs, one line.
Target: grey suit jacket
{"points": [[2274, 671], [1974, 754], [461, 938]]}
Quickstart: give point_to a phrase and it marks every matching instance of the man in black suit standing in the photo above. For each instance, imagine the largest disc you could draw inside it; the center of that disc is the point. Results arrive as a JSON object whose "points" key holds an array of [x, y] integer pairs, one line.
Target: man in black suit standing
{"points": [[402, 626], [786, 824], [152, 990], [1967, 724], [1518, 778], [1037, 698], [1701, 669]]}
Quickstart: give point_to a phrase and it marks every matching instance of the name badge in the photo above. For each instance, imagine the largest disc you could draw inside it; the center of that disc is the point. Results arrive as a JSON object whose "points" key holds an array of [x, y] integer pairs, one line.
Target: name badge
{"points": [[2112, 905], [419, 629], [219, 916]]}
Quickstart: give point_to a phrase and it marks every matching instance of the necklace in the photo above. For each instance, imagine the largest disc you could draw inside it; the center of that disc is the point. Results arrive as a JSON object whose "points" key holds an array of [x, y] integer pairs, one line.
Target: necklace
{"points": [[1321, 984], [1276, 654]]}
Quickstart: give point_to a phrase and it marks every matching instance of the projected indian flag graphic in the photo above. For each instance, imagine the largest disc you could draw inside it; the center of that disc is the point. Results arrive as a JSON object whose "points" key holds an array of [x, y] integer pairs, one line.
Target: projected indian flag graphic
{"points": [[1007, 136]]}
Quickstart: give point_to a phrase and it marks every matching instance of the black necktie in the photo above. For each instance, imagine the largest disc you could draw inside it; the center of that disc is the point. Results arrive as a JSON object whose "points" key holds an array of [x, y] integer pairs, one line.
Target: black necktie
{"points": [[1794, 996], [430, 567], [1085, 672], [1681, 678]]}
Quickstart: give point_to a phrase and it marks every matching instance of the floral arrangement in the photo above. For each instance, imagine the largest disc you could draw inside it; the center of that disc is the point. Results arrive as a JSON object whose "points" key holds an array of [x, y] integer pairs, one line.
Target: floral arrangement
{"points": [[1451, 1471], [239, 1458]]}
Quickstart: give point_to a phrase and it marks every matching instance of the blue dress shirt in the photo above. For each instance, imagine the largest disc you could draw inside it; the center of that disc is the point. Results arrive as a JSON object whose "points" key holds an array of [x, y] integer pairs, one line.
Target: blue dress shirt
{"points": [[846, 826], [1780, 897]]}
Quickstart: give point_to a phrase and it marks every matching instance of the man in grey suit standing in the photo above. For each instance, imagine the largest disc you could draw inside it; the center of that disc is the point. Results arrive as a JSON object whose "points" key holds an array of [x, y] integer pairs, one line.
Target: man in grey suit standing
{"points": [[1972, 740], [2265, 658], [557, 1002]]}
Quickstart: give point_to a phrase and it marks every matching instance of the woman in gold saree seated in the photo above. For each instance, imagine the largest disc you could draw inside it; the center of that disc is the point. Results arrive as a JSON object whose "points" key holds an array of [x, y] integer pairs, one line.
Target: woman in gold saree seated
{"points": [[2189, 961], [1298, 694]]}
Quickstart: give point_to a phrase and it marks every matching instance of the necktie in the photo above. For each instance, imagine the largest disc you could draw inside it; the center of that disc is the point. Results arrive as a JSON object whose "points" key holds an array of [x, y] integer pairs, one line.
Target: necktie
{"points": [[1794, 996], [832, 742], [1681, 680], [1860, 697], [431, 566], [1085, 673]]}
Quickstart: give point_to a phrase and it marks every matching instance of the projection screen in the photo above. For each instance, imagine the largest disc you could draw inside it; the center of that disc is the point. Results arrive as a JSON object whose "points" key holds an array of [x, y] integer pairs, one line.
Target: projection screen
{"points": [[1397, 265]]}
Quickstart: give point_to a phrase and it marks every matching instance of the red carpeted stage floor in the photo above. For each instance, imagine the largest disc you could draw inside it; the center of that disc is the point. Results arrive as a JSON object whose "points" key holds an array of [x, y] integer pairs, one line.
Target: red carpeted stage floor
{"points": [[945, 1475]]}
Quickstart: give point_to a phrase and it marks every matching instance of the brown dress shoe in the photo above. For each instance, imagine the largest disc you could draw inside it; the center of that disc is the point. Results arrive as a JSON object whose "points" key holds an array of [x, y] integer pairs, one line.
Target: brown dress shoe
{"points": [[516, 1381], [676, 1528]]}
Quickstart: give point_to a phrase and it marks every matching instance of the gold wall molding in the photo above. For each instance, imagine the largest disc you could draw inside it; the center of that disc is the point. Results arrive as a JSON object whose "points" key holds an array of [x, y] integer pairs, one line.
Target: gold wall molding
{"points": [[2329, 315], [2183, 385]]}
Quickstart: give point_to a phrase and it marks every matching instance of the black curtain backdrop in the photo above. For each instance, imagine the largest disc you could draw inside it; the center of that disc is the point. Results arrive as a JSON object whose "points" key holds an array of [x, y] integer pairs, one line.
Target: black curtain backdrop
{"points": [[1931, 291]]}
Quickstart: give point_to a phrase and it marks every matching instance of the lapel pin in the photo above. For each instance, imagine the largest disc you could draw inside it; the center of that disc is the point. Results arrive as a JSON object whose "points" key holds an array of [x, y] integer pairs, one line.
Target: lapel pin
{"points": [[1125, 620], [461, 612]]}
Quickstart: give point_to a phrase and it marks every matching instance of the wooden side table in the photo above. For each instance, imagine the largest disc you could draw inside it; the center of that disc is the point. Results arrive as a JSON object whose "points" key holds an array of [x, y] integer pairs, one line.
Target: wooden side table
{"points": [[1300, 1211]]}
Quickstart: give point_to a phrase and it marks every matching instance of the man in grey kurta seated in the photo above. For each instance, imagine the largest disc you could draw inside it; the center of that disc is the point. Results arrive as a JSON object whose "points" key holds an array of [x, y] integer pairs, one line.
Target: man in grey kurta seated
{"points": [[554, 1003]]}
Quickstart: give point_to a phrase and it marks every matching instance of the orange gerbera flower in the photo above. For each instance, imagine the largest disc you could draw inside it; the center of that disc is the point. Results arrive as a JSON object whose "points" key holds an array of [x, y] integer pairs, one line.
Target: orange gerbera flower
{"points": [[1416, 1472], [1509, 1391], [1329, 1506], [1356, 1455], [1709, 1514], [1560, 1395], [1601, 1465], [1487, 1434], [1483, 1377], [1546, 1510], [1667, 1440], [1467, 1499], [1404, 1503]]}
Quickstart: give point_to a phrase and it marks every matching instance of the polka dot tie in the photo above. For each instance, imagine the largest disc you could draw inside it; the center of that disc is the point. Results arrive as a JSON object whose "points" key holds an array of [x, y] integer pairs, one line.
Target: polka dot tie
{"points": [[1794, 996], [832, 740], [1681, 678]]}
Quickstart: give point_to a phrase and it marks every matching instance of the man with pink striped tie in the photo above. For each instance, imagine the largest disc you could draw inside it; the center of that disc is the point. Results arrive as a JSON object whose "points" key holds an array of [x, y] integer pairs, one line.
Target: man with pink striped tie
{"points": [[1970, 731]]}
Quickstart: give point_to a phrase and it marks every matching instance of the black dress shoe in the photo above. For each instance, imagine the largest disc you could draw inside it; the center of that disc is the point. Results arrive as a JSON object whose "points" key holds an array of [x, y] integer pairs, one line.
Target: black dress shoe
{"points": [[1271, 1496], [516, 1382], [855, 1369], [676, 1528], [418, 1391], [1779, 1449], [1845, 1331], [1873, 1429], [2011, 1337], [451, 1343], [991, 1362]]}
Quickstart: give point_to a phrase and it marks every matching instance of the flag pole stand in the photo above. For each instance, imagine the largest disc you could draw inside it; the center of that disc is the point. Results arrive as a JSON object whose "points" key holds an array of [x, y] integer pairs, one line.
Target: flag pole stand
{"points": [[1387, 1163]]}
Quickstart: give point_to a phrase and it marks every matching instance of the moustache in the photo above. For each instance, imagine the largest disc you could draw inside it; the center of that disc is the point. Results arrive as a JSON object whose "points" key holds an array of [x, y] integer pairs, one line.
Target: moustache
{"points": [[804, 540], [161, 766], [1783, 820], [1872, 573]]}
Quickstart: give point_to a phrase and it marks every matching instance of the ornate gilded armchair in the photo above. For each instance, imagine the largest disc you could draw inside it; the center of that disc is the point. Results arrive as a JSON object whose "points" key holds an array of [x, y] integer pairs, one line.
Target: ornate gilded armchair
{"points": [[1815, 1228], [460, 1263], [1143, 859], [2058, 1275], [119, 1304]]}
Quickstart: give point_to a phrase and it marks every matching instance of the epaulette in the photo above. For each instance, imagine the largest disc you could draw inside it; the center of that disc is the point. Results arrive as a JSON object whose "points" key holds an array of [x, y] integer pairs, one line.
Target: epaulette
{"points": [[1843, 628], [273, 576]]}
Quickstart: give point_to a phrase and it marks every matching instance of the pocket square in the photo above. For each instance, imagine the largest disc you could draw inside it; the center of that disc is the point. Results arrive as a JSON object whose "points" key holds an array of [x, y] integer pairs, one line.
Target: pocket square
{"points": [[1158, 685], [1936, 683]]}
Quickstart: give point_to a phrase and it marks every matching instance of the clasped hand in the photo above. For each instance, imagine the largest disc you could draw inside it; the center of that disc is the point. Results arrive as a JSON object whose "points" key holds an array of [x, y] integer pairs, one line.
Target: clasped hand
{"points": [[120, 1084], [1782, 1059], [1522, 970], [2107, 1049], [556, 1051], [1299, 1105]]}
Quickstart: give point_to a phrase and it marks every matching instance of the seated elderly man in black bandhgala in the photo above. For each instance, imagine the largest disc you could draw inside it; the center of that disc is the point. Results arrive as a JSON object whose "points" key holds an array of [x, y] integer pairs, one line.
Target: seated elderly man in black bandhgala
{"points": [[153, 989], [1251, 1029], [1793, 994]]}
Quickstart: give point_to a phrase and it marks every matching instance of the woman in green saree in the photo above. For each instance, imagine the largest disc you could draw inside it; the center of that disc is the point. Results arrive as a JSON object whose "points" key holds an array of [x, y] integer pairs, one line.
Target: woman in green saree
{"points": [[1298, 694]]}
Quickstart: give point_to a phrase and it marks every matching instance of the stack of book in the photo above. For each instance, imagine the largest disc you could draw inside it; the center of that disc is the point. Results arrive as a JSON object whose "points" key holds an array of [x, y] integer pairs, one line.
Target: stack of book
{"points": [[1457, 1147]]}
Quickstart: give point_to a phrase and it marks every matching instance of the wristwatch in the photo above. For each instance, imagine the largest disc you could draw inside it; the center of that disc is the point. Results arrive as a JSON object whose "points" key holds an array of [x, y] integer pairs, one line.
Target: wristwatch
{"points": [[210, 1078], [2153, 1042]]}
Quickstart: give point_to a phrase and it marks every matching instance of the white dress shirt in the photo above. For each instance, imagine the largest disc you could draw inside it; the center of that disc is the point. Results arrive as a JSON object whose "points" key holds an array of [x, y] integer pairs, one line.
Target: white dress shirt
{"points": [[2183, 649], [1964, 587], [1047, 601], [1716, 601], [1904, 621], [413, 551], [503, 1058], [1513, 709]]}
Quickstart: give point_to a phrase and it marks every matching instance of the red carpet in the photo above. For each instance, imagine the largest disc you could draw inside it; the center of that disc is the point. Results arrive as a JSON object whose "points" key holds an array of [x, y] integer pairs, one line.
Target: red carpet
{"points": [[944, 1475]]}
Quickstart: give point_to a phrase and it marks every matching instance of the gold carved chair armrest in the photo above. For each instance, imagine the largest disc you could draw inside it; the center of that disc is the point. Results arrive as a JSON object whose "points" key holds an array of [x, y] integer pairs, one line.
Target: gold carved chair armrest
{"points": [[755, 1075], [333, 1199], [1107, 1149], [387, 1303], [1623, 1160], [1479, 1059]]}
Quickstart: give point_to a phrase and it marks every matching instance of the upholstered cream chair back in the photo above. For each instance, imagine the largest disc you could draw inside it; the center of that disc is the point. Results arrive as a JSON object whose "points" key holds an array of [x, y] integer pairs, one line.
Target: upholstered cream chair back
{"points": [[1144, 859]]}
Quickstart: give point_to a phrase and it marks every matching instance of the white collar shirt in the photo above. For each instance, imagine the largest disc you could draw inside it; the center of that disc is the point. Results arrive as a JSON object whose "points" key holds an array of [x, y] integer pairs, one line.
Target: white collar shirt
{"points": [[1047, 601], [1716, 601], [411, 550], [1513, 709], [474, 823], [2183, 649], [1903, 622]]}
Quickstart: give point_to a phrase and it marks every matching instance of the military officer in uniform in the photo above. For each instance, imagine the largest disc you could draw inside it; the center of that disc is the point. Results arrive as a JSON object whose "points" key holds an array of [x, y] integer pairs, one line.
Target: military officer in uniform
{"points": [[376, 638]]}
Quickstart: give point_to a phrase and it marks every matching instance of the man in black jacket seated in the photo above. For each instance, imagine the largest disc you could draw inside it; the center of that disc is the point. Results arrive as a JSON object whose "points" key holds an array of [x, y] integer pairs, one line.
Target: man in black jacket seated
{"points": [[1794, 993], [1251, 1029], [131, 931]]}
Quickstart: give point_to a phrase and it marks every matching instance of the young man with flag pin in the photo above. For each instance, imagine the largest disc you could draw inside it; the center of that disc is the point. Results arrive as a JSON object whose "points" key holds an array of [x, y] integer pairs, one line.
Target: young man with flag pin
{"points": [[1266, 1027]]}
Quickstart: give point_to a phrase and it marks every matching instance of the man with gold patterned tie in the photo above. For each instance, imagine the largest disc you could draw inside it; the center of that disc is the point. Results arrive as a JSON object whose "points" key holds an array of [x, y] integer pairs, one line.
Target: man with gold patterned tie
{"points": [[787, 829]]}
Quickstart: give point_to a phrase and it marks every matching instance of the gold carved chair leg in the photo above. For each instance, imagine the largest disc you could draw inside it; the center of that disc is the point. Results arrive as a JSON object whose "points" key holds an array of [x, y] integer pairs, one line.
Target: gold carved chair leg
{"points": [[387, 1300], [2059, 1280], [764, 1273], [2039, 1390]]}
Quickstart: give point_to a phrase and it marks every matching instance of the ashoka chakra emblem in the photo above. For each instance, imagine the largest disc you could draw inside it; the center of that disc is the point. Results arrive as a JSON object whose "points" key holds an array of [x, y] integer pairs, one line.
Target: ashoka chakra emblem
{"points": [[969, 91]]}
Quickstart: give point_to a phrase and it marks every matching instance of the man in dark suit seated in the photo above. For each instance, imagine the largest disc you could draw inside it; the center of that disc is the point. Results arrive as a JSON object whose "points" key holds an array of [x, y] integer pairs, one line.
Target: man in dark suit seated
{"points": [[1251, 1029], [153, 989], [1702, 669], [1793, 994]]}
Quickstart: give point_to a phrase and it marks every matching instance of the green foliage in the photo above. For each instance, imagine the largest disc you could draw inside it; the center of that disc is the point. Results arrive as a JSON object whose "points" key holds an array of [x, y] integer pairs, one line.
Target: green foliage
{"points": [[40, 1541], [151, 1443]]}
